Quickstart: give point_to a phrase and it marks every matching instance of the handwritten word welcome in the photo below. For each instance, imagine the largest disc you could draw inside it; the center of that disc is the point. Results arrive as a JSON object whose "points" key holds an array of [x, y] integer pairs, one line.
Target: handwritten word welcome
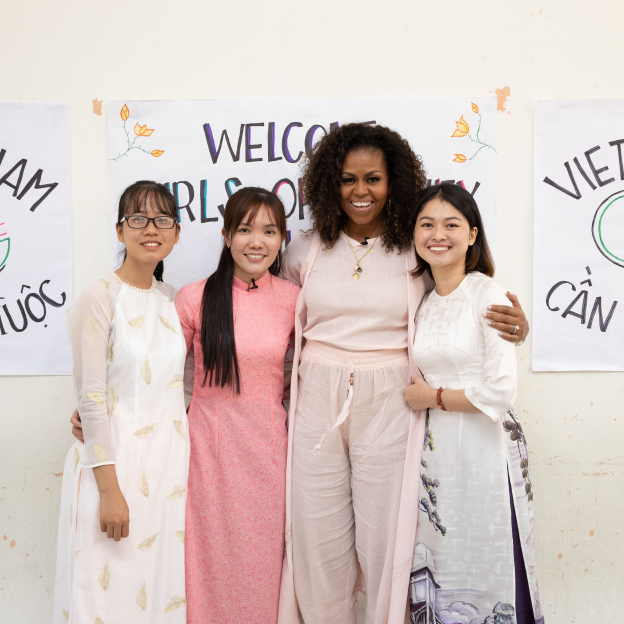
{"points": [[246, 130]]}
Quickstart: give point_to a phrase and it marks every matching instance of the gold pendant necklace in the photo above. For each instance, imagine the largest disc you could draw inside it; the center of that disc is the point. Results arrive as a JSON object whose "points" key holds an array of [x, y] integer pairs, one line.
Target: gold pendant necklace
{"points": [[357, 271]]}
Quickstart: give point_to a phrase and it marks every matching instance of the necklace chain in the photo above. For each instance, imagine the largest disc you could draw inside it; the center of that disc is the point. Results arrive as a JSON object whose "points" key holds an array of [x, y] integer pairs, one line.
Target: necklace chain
{"points": [[358, 269], [145, 290]]}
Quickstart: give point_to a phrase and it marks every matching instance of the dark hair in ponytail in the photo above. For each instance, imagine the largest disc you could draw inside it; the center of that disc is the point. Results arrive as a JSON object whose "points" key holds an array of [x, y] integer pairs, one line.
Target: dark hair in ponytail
{"points": [[217, 312], [134, 200]]}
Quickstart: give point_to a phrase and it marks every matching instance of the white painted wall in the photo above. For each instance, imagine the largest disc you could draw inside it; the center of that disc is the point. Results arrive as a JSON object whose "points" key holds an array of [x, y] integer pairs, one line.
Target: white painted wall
{"points": [[79, 50]]}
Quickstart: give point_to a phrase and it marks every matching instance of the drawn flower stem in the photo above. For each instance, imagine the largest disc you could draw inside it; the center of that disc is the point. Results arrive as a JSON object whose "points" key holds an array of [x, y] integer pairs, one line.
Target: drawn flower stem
{"points": [[478, 140], [131, 146]]}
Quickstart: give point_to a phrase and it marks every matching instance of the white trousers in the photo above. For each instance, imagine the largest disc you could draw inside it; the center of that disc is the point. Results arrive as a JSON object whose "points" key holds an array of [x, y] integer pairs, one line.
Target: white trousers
{"points": [[345, 494]]}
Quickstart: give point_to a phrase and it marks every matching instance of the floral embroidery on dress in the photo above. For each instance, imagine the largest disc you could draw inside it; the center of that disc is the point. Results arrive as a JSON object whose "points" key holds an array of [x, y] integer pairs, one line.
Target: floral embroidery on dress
{"points": [[428, 506], [516, 434]]}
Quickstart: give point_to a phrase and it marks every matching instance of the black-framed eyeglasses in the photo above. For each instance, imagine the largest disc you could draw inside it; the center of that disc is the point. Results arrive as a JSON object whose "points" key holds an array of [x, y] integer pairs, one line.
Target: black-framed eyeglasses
{"points": [[139, 222]]}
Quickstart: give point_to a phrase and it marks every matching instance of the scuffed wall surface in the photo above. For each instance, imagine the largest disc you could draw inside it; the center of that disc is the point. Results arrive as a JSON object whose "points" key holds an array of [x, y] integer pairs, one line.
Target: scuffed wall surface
{"points": [[87, 52], [34, 438]]}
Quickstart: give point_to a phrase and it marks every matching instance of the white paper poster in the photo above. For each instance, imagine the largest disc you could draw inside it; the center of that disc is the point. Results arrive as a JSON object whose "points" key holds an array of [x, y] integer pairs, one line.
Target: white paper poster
{"points": [[578, 290], [205, 150], [35, 239]]}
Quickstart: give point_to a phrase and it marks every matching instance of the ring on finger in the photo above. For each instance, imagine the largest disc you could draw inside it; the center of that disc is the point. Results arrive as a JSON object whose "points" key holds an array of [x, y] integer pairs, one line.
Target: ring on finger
{"points": [[516, 328]]}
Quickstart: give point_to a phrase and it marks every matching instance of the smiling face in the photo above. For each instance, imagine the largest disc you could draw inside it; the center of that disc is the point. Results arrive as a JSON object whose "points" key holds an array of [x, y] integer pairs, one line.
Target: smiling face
{"points": [[364, 188], [442, 236], [254, 245], [148, 245]]}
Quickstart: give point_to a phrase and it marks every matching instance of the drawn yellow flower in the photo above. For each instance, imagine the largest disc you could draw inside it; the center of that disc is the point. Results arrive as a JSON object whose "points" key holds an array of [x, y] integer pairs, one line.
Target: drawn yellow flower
{"points": [[475, 108], [462, 128], [143, 131], [157, 153], [459, 158], [125, 112]]}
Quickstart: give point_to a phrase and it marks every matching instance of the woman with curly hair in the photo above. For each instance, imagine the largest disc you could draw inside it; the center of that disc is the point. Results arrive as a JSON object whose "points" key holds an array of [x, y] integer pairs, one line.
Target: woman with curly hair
{"points": [[355, 445]]}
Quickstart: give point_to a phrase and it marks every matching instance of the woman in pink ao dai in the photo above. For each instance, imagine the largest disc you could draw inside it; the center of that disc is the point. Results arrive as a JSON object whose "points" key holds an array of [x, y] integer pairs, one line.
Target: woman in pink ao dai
{"points": [[238, 323]]}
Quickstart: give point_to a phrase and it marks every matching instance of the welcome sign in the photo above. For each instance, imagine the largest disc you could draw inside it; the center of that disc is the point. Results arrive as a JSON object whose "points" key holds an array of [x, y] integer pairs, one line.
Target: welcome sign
{"points": [[35, 239], [205, 150], [578, 296]]}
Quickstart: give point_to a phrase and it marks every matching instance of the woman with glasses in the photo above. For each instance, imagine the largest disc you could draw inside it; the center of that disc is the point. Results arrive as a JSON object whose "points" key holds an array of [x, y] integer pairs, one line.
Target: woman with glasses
{"points": [[121, 531]]}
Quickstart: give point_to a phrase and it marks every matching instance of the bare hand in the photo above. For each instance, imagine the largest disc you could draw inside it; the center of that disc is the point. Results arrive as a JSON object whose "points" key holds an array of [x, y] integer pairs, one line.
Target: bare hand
{"points": [[419, 395], [114, 515], [76, 426], [505, 318]]}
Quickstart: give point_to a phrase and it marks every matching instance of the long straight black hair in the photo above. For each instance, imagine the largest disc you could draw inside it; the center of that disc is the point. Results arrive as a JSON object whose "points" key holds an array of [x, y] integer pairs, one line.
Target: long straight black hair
{"points": [[217, 311], [134, 201]]}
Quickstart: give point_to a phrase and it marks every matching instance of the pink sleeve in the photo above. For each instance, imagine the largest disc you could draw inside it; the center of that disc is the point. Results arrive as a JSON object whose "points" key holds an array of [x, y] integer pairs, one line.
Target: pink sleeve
{"points": [[183, 304]]}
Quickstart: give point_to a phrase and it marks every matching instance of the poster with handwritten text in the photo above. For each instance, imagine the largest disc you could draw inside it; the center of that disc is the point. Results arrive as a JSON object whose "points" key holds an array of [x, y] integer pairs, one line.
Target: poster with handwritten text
{"points": [[35, 239], [206, 149], [578, 290]]}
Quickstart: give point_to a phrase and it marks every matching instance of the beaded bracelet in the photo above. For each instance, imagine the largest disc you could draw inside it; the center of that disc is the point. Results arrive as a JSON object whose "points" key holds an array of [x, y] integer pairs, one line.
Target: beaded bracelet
{"points": [[439, 399]]}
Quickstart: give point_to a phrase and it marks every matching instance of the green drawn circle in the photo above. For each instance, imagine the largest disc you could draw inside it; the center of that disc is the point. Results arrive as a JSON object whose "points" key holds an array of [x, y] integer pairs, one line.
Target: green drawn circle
{"points": [[8, 251], [598, 231]]}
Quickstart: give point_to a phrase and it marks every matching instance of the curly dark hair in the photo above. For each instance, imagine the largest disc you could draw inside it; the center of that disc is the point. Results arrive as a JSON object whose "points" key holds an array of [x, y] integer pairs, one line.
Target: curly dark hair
{"points": [[322, 171]]}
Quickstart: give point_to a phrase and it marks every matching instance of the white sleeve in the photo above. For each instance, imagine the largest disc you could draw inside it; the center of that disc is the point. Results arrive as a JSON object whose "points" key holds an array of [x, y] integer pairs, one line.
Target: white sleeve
{"points": [[496, 396], [89, 327]]}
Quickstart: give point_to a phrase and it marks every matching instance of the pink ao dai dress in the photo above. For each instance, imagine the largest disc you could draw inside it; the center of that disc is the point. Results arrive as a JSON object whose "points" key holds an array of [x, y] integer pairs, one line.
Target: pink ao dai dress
{"points": [[237, 478]]}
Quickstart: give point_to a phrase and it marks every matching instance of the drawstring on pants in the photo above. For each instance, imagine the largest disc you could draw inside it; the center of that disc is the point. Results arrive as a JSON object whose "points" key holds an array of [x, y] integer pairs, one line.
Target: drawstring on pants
{"points": [[345, 408]]}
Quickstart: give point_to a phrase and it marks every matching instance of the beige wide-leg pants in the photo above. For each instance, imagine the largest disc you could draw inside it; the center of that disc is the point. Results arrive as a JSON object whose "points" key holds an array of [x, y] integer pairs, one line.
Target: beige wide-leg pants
{"points": [[345, 492]]}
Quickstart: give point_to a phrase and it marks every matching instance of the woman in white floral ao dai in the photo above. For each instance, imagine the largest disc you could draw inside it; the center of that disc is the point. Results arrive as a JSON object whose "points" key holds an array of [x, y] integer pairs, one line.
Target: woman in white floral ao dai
{"points": [[121, 532]]}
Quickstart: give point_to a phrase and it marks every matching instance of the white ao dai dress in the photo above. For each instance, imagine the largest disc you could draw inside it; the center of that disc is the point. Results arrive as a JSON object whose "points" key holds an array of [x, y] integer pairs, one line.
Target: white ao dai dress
{"points": [[463, 566], [129, 354]]}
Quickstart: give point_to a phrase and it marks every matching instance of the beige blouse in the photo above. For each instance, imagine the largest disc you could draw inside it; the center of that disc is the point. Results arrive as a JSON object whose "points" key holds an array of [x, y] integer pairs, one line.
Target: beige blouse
{"points": [[367, 314]]}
